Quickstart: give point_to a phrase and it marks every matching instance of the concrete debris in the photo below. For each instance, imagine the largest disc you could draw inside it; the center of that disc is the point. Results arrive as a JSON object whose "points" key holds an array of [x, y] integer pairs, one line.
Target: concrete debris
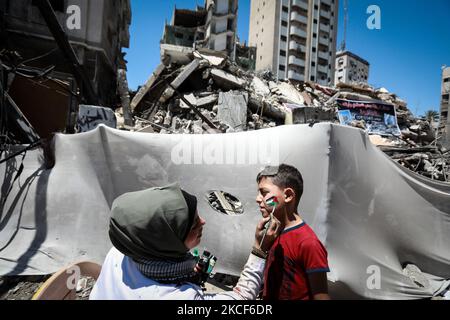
{"points": [[232, 110], [187, 71], [148, 85], [226, 80], [206, 92]]}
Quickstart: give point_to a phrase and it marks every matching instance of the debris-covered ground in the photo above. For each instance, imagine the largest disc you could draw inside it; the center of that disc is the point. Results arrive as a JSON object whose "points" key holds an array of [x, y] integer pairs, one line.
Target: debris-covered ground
{"points": [[211, 94], [25, 287]]}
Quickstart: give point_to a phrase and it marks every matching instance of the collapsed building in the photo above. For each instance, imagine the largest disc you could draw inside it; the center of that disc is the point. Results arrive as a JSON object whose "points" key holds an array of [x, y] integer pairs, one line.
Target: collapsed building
{"points": [[209, 93], [66, 54], [211, 26]]}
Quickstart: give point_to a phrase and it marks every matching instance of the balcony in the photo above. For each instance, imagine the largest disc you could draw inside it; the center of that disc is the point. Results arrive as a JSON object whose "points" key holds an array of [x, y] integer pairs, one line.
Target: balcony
{"points": [[301, 4], [324, 55], [296, 61], [325, 14], [324, 41], [298, 17], [445, 87], [297, 31], [323, 69], [324, 27], [293, 75], [293, 45]]}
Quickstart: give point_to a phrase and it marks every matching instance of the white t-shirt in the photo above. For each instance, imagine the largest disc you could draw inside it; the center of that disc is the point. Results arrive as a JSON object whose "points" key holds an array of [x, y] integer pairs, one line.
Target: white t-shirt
{"points": [[120, 279]]}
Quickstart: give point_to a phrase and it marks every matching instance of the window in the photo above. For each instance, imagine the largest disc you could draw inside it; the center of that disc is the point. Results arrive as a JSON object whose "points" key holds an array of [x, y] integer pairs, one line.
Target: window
{"points": [[283, 38], [284, 23], [260, 57], [282, 53], [315, 21], [261, 44], [313, 64], [314, 35], [178, 35], [282, 68], [312, 78], [316, 7], [447, 80], [314, 49], [285, 9], [445, 97]]}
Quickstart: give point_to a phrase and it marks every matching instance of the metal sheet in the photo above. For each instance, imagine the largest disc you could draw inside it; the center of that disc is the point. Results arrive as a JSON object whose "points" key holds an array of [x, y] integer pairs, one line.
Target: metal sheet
{"points": [[367, 211]]}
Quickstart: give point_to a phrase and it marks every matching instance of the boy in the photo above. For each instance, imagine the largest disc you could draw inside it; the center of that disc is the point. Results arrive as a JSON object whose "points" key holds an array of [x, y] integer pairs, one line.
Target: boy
{"points": [[297, 265]]}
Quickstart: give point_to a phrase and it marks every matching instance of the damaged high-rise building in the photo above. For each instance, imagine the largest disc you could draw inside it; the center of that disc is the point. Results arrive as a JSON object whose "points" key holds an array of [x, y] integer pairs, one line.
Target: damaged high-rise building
{"points": [[295, 39], [211, 26], [445, 105], [96, 30]]}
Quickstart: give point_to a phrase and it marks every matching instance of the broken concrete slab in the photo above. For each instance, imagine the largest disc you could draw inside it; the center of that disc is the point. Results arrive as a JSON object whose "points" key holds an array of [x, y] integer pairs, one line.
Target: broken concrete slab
{"points": [[144, 89], [189, 97], [175, 54], [201, 102], [185, 73], [233, 109], [213, 57], [227, 80], [260, 87], [289, 94]]}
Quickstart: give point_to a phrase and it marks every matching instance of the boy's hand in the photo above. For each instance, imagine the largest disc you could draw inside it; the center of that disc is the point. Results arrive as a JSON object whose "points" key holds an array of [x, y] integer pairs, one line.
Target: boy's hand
{"points": [[273, 231]]}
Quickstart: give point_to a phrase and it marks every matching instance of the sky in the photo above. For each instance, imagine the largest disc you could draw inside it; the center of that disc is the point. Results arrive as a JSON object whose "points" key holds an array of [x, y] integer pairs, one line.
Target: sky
{"points": [[405, 55]]}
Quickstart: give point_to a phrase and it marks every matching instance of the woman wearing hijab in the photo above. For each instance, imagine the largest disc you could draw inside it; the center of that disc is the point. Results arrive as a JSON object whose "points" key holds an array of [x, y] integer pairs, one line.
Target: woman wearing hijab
{"points": [[152, 232]]}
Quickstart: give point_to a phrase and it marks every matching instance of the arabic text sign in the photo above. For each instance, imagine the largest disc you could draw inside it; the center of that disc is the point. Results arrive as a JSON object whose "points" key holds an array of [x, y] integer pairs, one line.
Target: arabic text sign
{"points": [[380, 118]]}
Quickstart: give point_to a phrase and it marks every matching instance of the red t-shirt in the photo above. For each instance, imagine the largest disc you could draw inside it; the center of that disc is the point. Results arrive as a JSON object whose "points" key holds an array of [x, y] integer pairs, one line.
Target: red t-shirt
{"points": [[296, 253]]}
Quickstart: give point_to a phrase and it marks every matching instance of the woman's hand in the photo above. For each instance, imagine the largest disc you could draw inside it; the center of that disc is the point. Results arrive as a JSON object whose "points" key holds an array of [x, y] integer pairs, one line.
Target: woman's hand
{"points": [[273, 231]]}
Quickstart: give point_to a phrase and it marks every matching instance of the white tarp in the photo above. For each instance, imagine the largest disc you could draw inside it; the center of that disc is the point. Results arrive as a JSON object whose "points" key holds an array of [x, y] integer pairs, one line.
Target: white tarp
{"points": [[372, 216]]}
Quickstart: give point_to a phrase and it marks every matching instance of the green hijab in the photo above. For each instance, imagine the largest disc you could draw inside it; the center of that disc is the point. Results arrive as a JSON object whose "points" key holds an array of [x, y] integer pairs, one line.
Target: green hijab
{"points": [[152, 223]]}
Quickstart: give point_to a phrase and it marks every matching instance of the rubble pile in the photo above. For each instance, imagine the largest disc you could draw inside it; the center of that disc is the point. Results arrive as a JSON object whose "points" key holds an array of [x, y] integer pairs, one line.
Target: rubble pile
{"points": [[208, 93], [212, 94]]}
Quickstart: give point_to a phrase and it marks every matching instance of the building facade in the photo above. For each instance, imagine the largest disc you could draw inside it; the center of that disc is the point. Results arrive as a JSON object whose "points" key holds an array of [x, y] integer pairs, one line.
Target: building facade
{"points": [[212, 26], [351, 68], [445, 105], [295, 39], [103, 32]]}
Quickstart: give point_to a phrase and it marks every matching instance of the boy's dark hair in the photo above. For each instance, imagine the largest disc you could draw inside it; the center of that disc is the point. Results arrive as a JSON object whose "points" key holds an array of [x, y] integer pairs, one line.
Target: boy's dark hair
{"points": [[284, 176]]}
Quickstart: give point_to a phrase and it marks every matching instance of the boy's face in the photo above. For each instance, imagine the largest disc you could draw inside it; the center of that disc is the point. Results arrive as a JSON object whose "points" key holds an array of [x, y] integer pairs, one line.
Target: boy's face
{"points": [[266, 190]]}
